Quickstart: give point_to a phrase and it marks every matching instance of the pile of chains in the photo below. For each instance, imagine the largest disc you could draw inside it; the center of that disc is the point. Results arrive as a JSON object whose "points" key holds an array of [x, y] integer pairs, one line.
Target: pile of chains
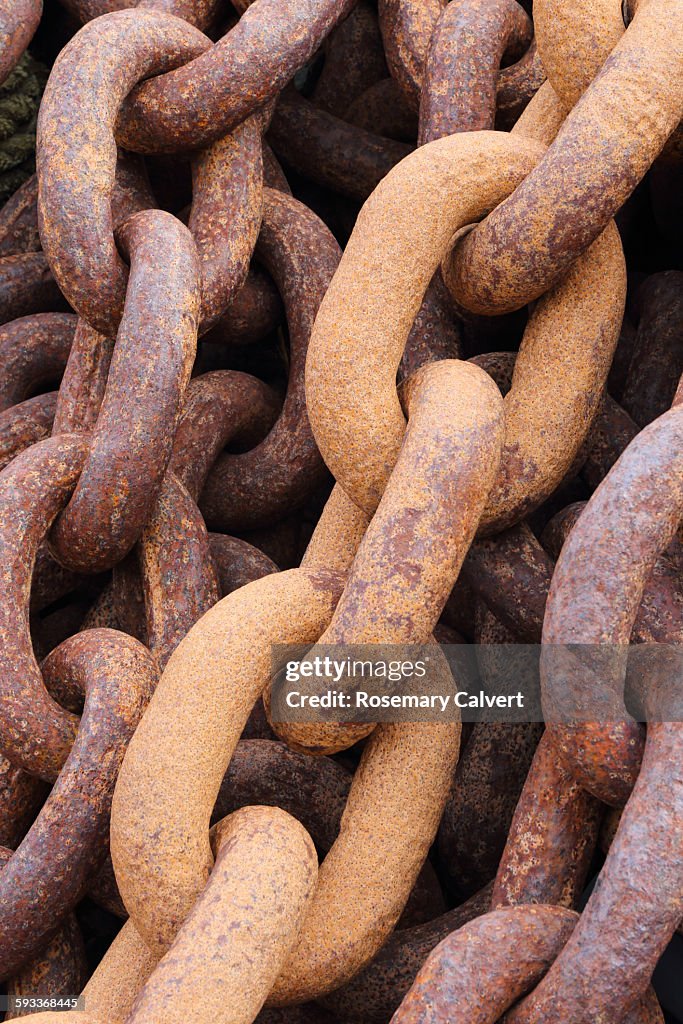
{"points": [[347, 322]]}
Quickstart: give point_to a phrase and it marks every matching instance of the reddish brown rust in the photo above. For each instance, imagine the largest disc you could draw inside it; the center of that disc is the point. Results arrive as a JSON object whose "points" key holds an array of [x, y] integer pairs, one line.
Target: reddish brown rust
{"points": [[237, 563], [460, 79], [254, 313], [18, 22], [85, 377], [84, 382], [491, 771], [19, 220], [533, 237], [198, 12], [178, 578], [202, 102], [604, 752], [660, 614], [407, 27], [354, 61], [313, 790], [551, 839], [37, 734], [475, 974], [612, 431], [517, 85], [330, 151], [150, 368], [382, 110], [51, 581], [27, 286], [220, 407], [635, 906], [51, 869], [21, 797], [120, 605], [227, 204], [26, 424], [657, 360], [33, 353], [375, 993], [259, 486], [58, 970], [511, 573], [76, 119]]}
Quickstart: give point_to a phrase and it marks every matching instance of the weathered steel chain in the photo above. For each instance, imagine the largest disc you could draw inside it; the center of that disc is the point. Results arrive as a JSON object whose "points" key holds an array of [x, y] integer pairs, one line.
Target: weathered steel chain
{"points": [[184, 344]]}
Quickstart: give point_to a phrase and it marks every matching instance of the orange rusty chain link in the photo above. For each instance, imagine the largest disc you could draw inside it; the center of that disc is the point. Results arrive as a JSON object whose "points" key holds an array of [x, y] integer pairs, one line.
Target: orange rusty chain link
{"points": [[195, 338]]}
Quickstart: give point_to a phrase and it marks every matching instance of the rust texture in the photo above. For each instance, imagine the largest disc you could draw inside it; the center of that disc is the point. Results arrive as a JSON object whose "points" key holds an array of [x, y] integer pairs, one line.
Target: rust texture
{"points": [[511, 573], [257, 487], [480, 970], [551, 839], [255, 312], [227, 205], [332, 152], [207, 98], [117, 677], [459, 87], [381, 109], [613, 951], [150, 368], [19, 220], [219, 408], [657, 359], [37, 734], [405, 567], [230, 949], [18, 22], [237, 562], [486, 788], [354, 61], [604, 754], [27, 286], [77, 117], [33, 351], [376, 992], [532, 239], [340, 322], [60, 968], [179, 581], [25, 424]]}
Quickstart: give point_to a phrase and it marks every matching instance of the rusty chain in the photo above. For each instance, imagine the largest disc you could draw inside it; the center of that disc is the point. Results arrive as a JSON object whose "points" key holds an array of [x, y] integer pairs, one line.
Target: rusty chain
{"points": [[341, 322]]}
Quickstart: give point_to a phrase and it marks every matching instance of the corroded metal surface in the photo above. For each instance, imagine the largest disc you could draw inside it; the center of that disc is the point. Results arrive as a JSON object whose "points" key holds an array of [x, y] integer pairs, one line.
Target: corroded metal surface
{"points": [[117, 677], [604, 754], [205, 99], [533, 238], [33, 353], [18, 21], [459, 87], [551, 839], [484, 967], [257, 487], [361, 415], [151, 365]]}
